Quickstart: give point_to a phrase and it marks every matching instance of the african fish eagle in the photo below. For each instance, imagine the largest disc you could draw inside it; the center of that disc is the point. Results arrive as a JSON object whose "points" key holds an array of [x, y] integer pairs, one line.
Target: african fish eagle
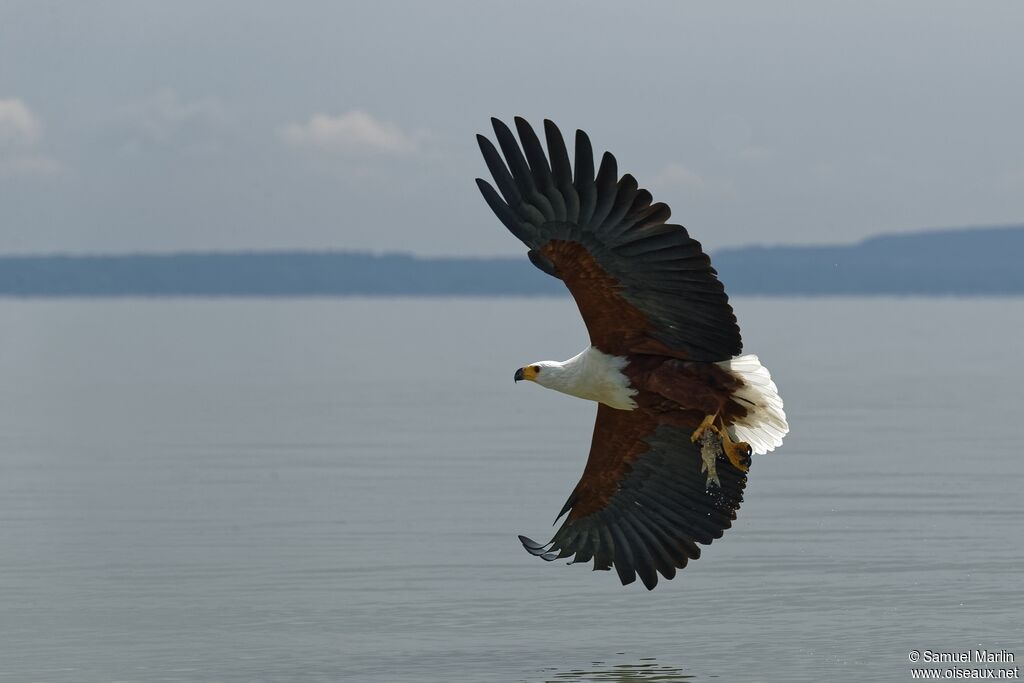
{"points": [[680, 410]]}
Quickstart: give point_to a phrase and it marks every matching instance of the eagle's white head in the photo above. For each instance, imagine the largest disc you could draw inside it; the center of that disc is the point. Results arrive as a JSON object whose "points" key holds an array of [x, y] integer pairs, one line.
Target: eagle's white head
{"points": [[591, 374], [529, 373]]}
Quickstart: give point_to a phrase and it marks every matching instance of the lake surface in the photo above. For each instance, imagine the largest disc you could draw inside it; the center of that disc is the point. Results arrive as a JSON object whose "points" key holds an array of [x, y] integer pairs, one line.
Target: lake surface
{"points": [[325, 490]]}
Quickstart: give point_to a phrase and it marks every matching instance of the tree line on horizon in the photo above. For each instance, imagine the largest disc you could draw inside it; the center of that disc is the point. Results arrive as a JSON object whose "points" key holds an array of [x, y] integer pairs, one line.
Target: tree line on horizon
{"points": [[977, 261]]}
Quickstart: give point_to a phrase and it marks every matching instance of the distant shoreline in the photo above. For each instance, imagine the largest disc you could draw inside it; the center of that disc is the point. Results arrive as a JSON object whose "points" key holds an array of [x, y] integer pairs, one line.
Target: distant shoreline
{"points": [[955, 263]]}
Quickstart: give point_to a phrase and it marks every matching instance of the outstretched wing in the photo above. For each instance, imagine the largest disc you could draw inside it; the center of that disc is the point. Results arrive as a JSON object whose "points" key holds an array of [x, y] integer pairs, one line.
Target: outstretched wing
{"points": [[642, 504], [641, 284]]}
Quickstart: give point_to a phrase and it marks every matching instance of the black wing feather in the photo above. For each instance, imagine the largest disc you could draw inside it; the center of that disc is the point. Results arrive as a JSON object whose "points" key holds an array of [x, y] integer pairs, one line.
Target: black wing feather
{"points": [[583, 181], [661, 511], [542, 177], [502, 178], [561, 170], [607, 186], [545, 198]]}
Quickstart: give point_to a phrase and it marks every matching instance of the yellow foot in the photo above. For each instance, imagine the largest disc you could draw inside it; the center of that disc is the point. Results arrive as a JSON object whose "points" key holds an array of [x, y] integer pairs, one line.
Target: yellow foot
{"points": [[738, 452], [707, 424]]}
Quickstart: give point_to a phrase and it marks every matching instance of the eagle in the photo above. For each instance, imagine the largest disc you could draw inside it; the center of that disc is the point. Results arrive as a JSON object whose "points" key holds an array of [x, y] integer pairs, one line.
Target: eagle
{"points": [[681, 409]]}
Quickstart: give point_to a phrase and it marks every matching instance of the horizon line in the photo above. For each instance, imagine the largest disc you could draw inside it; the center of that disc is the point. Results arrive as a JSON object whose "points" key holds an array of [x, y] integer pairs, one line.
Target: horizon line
{"points": [[325, 251]]}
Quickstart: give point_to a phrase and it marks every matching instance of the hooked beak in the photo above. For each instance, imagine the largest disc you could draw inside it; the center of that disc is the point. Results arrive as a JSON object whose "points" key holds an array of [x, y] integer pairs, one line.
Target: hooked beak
{"points": [[528, 373]]}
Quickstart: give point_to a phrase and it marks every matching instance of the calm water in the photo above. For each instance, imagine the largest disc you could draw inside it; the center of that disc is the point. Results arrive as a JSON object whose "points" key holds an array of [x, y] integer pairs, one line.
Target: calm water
{"points": [[331, 490]]}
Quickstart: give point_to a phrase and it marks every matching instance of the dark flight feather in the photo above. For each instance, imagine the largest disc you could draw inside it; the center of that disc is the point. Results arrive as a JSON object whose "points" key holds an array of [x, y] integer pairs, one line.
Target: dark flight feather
{"points": [[659, 507], [609, 243]]}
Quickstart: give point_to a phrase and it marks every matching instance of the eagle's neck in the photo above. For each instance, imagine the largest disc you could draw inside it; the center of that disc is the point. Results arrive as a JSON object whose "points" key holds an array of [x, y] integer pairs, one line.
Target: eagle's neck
{"points": [[590, 374]]}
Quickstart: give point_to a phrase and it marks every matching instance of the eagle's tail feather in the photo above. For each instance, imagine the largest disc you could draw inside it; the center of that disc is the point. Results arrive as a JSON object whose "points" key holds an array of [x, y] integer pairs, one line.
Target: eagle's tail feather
{"points": [[764, 425]]}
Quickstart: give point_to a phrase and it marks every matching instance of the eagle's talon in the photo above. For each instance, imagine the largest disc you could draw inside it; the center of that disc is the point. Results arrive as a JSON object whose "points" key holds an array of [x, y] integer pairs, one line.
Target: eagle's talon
{"points": [[738, 453]]}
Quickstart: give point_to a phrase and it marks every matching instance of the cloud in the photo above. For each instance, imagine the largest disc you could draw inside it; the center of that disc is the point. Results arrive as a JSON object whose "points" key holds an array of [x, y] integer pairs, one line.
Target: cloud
{"points": [[755, 154], [18, 125], [676, 177], [29, 165], [165, 117], [353, 131], [20, 131]]}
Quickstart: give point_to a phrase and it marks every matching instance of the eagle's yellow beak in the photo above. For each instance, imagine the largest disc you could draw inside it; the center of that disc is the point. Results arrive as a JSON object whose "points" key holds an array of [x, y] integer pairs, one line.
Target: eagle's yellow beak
{"points": [[529, 372]]}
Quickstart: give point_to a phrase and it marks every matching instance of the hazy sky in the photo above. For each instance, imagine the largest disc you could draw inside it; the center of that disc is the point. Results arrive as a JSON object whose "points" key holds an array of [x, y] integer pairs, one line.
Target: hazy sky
{"points": [[136, 125]]}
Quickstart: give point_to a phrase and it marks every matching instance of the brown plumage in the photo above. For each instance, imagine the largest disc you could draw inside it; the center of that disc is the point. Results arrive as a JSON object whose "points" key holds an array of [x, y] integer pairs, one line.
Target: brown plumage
{"points": [[656, 311]]}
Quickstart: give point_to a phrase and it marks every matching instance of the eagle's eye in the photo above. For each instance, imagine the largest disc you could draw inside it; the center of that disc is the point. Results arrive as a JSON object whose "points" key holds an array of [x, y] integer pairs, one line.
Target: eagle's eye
{"points": [[535, 368]]}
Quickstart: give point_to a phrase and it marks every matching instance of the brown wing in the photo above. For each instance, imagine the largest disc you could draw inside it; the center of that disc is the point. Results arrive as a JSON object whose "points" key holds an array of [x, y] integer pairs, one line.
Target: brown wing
{"points": [[641, 284], [642, 504]]}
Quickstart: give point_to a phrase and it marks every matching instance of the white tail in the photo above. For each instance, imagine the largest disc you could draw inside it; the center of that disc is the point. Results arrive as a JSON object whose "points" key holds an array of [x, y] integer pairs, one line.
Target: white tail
{"points": [[764, 425]]}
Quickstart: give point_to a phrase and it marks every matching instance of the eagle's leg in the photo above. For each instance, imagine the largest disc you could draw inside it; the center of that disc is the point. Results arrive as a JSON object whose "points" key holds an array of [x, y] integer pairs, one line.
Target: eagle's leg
{"points": [[738, 452], [706, 424]]}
